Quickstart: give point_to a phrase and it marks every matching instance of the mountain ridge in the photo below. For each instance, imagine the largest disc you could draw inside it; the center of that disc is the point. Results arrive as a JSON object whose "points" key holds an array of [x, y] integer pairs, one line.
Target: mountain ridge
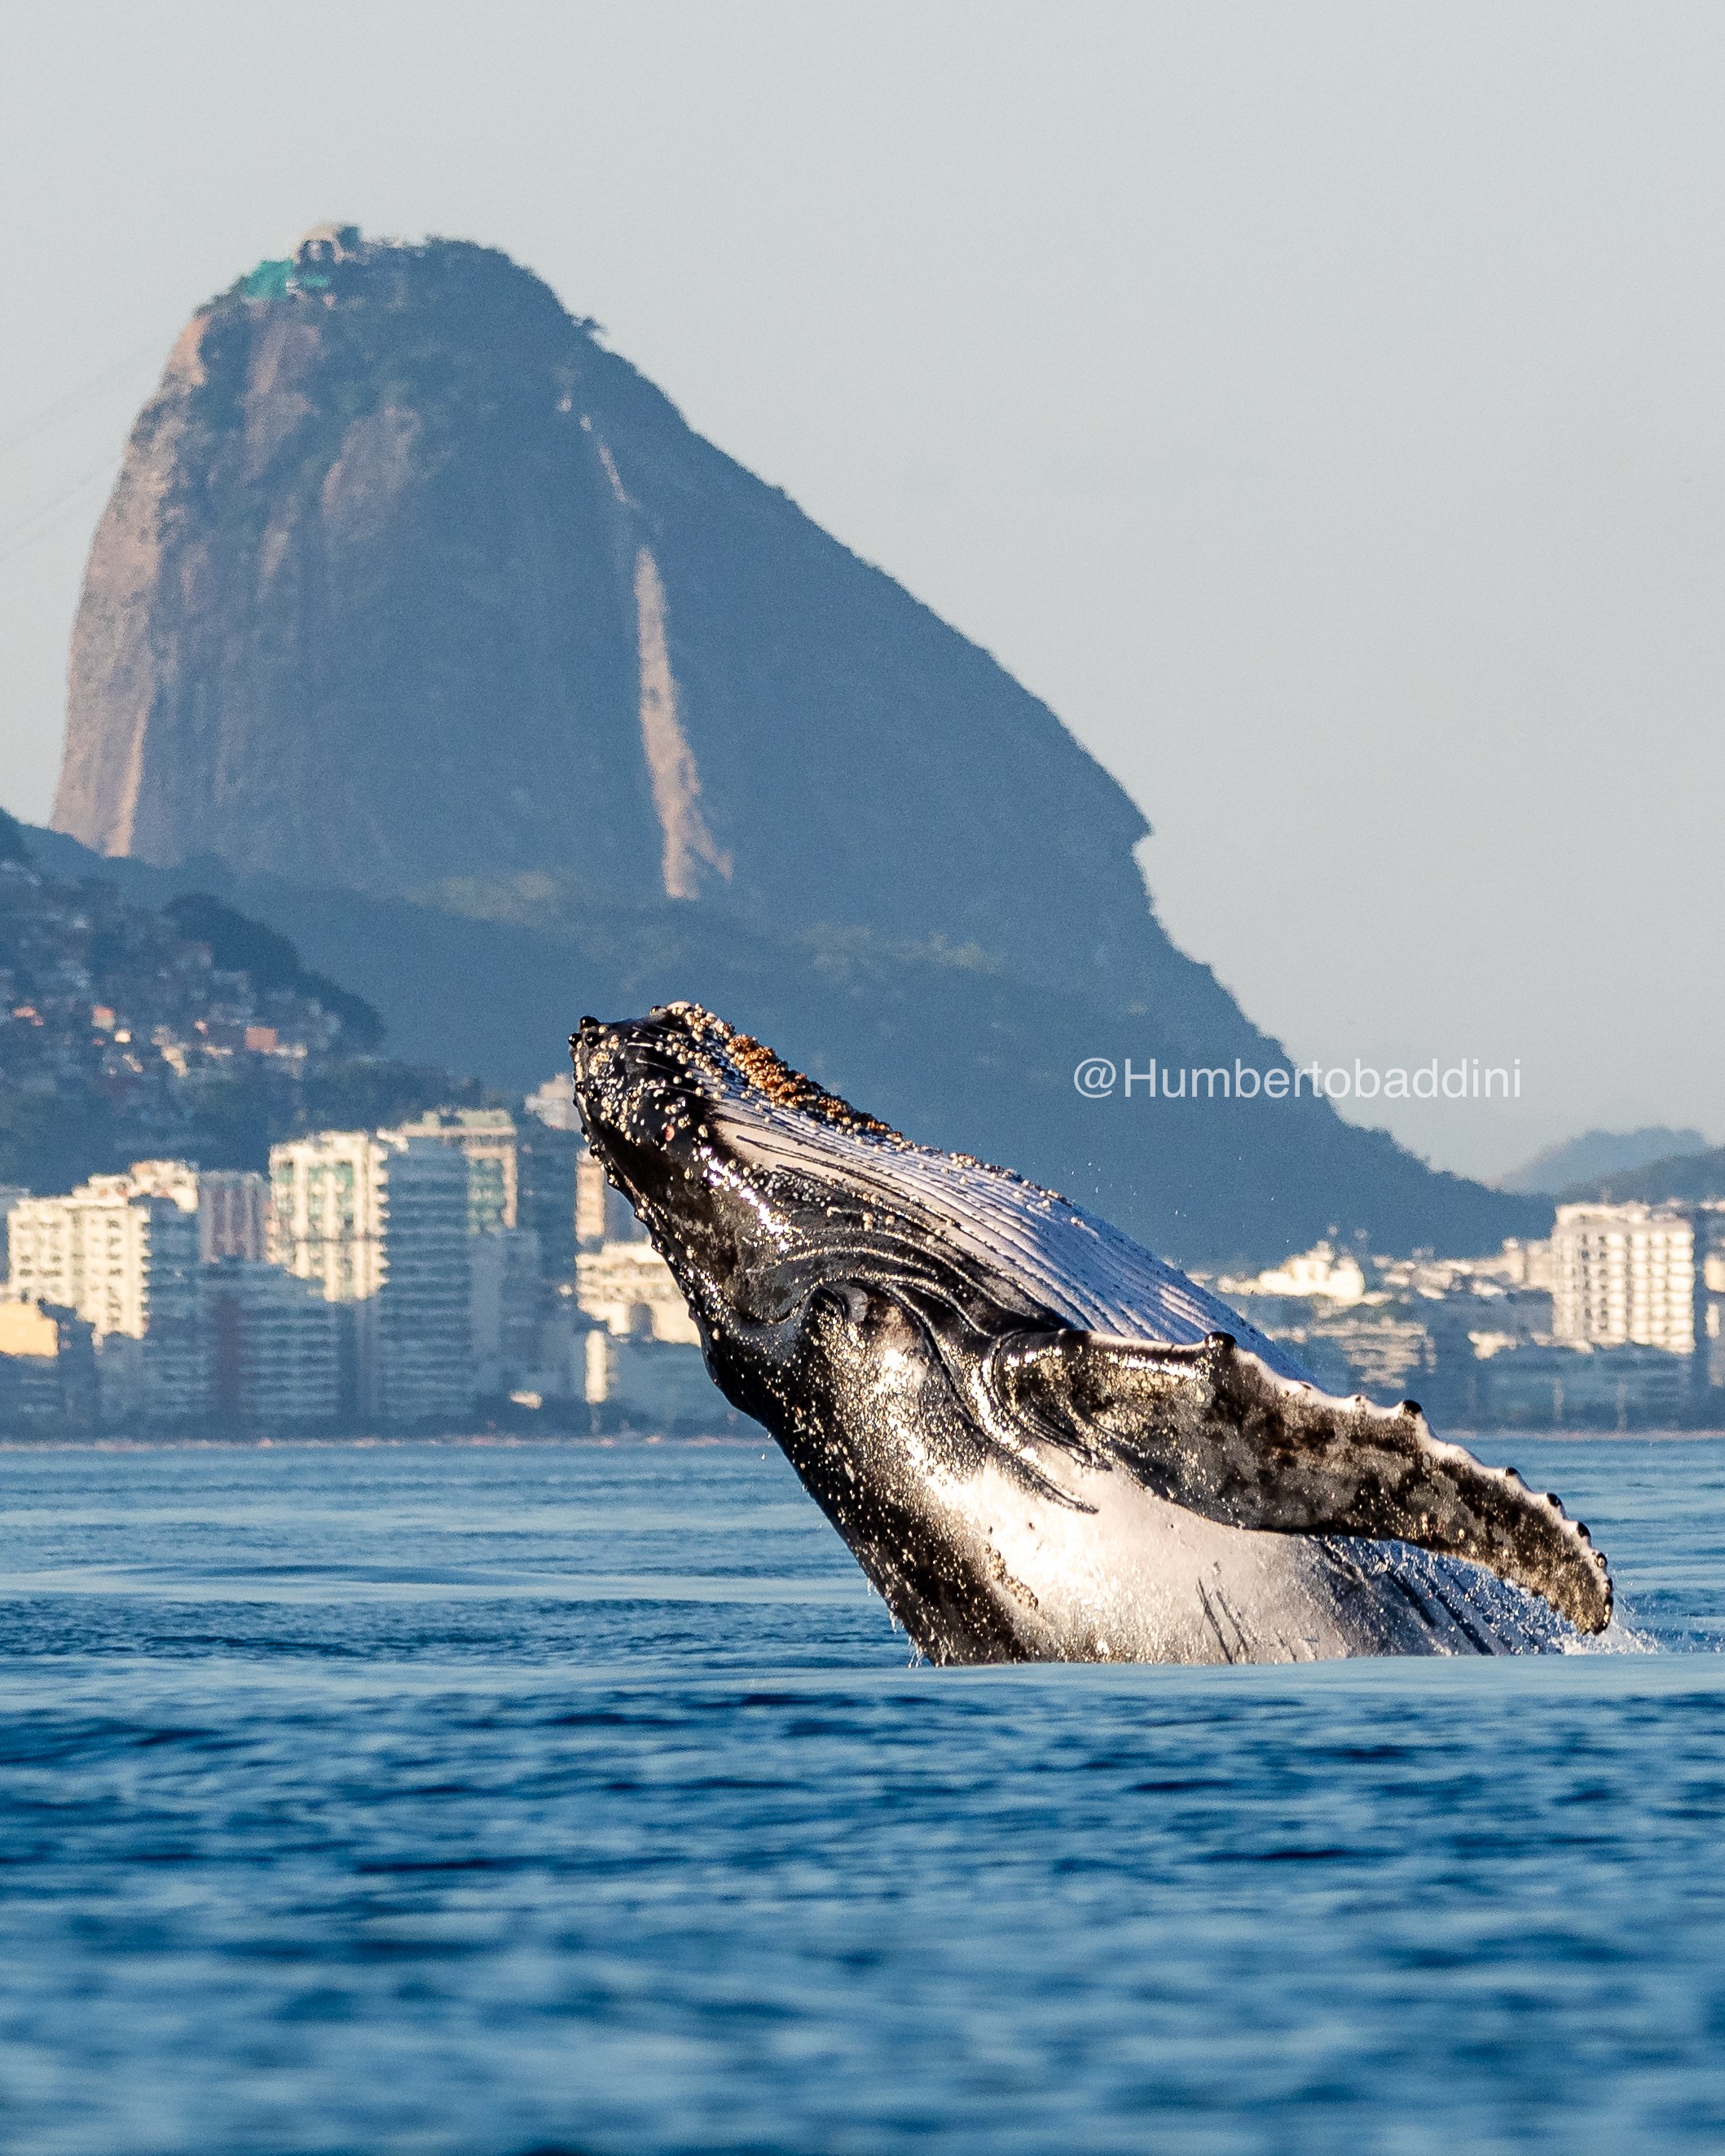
{"points": [[1687, 1179], [954, 1055], [1584, 1160]]}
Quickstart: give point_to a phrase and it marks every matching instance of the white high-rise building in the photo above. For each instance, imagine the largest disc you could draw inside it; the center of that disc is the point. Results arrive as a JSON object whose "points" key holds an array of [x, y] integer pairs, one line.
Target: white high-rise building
{"points": [[328, 1210], [122, 1252], [87, 1251], [1625, 1275], [381, 1220]]}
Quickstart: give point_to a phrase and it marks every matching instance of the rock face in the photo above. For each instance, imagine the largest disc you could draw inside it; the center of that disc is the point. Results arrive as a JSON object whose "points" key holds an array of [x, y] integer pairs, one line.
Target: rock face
{"points": [[406, 579]]}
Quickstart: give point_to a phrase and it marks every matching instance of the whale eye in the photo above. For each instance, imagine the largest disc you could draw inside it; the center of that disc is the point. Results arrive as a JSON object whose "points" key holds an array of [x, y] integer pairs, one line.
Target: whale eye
{"points": [[844, 1298]]}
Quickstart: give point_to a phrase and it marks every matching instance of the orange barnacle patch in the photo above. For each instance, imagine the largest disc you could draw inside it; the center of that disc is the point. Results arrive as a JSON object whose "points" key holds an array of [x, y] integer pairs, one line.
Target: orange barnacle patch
{"points": [[786, 1088]]}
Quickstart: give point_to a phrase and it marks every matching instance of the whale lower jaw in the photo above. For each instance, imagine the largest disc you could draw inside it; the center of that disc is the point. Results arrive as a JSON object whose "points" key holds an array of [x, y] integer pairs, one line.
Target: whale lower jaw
{"points": [[994, 1573]]}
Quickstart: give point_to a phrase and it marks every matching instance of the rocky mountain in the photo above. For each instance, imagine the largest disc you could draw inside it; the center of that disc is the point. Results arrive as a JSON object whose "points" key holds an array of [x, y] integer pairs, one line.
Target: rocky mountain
{"points": [[407, 579], [421, 626]]}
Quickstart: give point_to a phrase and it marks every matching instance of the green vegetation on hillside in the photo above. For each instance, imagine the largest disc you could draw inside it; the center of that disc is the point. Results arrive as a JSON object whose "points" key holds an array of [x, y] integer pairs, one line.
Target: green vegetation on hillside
{"points": [[192, 1031]]}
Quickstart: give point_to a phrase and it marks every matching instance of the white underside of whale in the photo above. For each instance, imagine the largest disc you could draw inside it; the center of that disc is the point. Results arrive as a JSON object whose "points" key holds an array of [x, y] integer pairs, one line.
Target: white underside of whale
{"points": [[1135, 1578]]}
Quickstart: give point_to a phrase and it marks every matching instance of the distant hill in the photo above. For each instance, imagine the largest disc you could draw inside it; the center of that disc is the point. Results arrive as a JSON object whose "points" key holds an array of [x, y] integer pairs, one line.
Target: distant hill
{"points": [[421, 629], [1685, 1180], [1585, 1159]]}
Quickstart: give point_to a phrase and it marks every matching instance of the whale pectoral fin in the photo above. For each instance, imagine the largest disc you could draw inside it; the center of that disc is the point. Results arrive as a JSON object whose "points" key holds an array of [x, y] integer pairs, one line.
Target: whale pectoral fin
{"points": [[1214, 1429]]}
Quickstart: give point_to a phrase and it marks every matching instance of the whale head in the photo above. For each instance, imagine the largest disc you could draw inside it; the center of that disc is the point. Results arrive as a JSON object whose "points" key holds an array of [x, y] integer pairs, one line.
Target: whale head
{"points": [[932, 1340], [844, 1283], [719, 1147]]}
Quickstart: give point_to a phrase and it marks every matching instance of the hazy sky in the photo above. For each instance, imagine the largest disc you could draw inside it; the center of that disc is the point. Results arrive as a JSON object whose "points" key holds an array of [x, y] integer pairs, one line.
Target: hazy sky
{"points": [[1320, 406]]}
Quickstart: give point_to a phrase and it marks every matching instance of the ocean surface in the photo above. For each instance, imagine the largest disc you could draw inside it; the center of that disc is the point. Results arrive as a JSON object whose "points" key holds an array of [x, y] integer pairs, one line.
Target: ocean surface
{"points": [[494, 1799]]}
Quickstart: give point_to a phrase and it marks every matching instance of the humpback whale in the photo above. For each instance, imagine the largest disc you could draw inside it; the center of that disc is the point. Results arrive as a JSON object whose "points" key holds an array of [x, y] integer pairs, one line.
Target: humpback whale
{"points": [[1040, 1441]]}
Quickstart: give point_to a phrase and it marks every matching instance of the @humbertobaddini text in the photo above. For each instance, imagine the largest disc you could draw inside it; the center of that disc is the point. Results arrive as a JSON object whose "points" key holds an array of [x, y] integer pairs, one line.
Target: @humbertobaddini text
{"points": [[1100, 1078]]}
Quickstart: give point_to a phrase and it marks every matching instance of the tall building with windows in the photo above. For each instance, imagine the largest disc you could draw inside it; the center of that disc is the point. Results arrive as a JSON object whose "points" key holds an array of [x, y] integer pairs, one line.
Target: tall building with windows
{"points": [[486, 1138], [11, 1194], [592, 1201], [381, 1221], [327, 1210], [630, 1290], [88, 1251], [548, 1151], [424, 1363], [327, 1213], [506, 1292], [1625, 1275], [233, 1215], [121, 1251], [274, 1362], [47, 1375], [546, 1159]]}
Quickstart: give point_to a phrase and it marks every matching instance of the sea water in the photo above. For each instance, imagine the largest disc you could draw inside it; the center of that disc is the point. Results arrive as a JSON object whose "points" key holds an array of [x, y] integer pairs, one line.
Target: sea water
{"points": [[477, 1797]]}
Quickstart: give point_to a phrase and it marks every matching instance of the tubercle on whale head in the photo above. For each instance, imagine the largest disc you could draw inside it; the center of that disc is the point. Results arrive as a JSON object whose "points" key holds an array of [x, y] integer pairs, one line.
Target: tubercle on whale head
{"points": [[640, 1102], [648, 1090], [682, 1053]]}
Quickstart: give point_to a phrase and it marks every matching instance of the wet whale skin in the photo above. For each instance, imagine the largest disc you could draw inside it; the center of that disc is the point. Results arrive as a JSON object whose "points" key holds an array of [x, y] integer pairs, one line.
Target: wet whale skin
{"points": [[1039, 1441]]}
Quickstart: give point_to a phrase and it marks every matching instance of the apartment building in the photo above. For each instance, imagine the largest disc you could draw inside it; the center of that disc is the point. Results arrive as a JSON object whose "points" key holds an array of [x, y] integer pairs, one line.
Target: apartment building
{"points": [[424, 1363], [121, 1253], [382, 1221], [629, 1290], [327, 1211], [233, 1215], [47, 1373], [1625, 1275], [505, 1308], [275, 1363], [486, 1139]]}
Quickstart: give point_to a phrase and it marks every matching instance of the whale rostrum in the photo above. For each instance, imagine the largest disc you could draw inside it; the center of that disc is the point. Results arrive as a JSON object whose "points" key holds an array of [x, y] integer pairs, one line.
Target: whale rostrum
{"points": [[1040, 1442]]}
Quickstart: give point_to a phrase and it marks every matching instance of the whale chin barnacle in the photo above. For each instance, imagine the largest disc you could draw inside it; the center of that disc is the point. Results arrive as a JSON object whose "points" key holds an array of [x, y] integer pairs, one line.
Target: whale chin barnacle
{"points": [[1036, 1436]]}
